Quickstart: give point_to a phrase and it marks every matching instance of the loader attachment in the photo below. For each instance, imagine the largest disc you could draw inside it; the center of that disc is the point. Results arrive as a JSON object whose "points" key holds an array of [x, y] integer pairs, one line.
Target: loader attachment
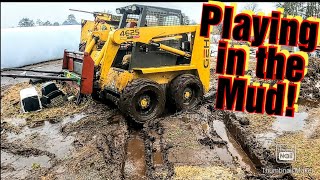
{"points": [[79, 65], [49, 75]]}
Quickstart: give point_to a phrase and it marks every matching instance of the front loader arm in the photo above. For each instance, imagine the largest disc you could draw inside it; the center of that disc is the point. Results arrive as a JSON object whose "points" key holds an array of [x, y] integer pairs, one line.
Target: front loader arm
{"points": [[109, 51], [146, 34]]}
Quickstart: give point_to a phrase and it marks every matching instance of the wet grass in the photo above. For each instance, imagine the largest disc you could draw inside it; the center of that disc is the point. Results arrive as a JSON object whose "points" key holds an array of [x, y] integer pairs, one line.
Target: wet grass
{"points": [[307, 144], [210, 172], [179, 136], [175, 134], [260, 123]]}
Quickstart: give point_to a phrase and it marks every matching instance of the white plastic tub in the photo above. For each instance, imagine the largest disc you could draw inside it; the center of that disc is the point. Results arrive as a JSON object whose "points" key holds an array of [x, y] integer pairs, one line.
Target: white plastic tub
{"points": [[30, 100]]}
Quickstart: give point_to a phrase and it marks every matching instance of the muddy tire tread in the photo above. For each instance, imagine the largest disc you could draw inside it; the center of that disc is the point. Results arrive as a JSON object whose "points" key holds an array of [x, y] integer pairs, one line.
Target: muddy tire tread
{"points": [[177, 84], [133, 88]]}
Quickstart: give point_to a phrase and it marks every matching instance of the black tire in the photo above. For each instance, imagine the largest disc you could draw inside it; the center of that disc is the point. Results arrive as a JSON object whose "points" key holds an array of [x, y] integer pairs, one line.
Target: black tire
{"points": [[95, 96], [182, 84], [134, 93]]}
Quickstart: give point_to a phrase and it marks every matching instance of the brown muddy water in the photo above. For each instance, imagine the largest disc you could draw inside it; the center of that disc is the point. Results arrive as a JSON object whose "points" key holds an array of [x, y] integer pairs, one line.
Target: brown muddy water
{"points": [[135, 164], [233, 147], [46, 137]]}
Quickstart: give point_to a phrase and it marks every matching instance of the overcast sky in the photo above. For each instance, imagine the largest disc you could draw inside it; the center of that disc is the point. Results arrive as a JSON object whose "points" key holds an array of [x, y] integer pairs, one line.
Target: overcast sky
{"points": [[12, 13]]}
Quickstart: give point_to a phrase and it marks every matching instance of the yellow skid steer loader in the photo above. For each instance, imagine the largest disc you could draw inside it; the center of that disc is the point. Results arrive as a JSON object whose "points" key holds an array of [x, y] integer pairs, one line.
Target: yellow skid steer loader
{"points": [[142, 66]]}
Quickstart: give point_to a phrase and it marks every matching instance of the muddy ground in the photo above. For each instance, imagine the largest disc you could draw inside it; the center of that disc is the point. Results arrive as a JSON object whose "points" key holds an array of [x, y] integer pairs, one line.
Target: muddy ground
{"points": [[94, 141]]}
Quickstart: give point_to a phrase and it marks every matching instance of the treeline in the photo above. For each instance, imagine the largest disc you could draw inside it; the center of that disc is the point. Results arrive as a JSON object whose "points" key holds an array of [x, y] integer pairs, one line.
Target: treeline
{"points": [[26, 22], [304, 9]]}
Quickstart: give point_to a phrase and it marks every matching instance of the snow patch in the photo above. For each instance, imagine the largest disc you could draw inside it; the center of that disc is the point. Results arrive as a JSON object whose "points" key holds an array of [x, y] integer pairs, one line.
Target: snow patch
{"points": [[28, 45]]}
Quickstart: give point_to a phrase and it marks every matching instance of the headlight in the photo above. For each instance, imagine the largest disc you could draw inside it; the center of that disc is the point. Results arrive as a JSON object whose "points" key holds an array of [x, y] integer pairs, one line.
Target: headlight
{"points": [[134, 8], [118, 11]]}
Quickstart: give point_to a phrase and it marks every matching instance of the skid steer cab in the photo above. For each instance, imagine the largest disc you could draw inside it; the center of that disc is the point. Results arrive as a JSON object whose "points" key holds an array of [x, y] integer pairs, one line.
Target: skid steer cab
{"points": [[144, 66]]}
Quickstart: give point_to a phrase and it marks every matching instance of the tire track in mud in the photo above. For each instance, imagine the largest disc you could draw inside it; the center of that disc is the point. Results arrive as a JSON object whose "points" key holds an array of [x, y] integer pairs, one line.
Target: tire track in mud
{"points": [[262, 158], [134, 163], [147, 152], [17, 149], [100, 145], [158, 167], [105, 145], [152, 144], [253, 154], [259, 157], [254, 158]]}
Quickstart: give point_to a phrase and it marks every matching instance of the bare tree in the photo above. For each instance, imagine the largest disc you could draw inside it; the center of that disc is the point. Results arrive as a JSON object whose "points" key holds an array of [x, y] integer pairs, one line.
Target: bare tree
{"points": [[291, 8], [39, 22], [304, 9], [312, 9], [26, 22], [47, 23], [252, 6], [186, 19], [71, 20]]}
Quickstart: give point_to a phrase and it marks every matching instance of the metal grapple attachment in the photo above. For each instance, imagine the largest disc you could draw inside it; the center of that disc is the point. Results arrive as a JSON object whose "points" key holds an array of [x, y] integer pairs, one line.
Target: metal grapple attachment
{"points": [[80, 66]]}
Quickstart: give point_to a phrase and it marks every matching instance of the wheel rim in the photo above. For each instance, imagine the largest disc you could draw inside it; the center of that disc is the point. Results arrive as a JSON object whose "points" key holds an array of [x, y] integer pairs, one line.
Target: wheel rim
{"points": [[189, 95], [146, 103]]}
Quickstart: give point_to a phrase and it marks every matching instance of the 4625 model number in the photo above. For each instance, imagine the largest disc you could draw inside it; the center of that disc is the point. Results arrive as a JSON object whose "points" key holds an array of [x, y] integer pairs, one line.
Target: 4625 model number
{"points": [[131, 32]]}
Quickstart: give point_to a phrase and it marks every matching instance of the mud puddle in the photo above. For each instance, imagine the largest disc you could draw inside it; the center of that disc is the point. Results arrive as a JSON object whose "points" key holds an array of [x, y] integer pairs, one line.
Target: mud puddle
{"points": [[267, 139], [48, 135], [233, 147], [135, 164], [282, 125], [33, 148], [20, 166], [201, 141], [157, 158]]}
